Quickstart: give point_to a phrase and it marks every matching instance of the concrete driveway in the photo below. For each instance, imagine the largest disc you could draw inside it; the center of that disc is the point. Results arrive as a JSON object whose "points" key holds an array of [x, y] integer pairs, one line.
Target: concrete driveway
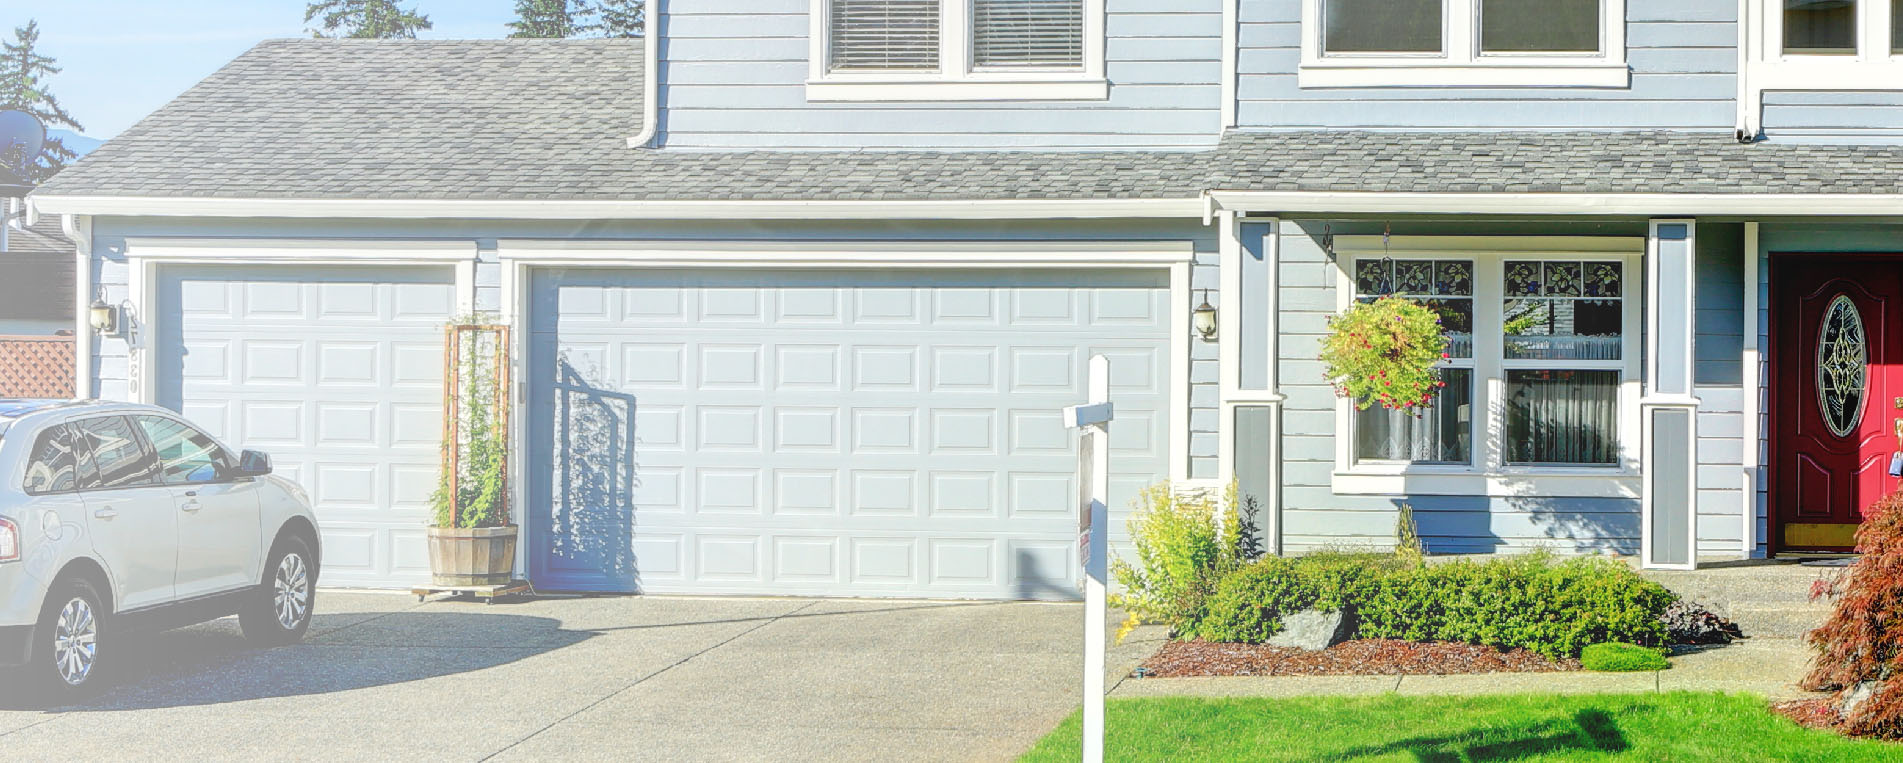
{"points": [[382, 677]]}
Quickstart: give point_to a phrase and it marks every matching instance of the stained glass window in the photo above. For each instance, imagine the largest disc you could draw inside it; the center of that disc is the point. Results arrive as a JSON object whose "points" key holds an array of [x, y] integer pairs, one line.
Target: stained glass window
{"points": [[1843, 357]]}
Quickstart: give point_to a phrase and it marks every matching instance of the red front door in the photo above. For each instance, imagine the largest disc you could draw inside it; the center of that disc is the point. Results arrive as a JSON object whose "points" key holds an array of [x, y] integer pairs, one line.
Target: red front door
{"points": [[1835, 416]]}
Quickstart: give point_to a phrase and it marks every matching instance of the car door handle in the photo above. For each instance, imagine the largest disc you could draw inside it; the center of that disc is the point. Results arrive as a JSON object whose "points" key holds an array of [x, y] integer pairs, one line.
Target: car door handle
{"points": [[106, 513], [190, 506]]}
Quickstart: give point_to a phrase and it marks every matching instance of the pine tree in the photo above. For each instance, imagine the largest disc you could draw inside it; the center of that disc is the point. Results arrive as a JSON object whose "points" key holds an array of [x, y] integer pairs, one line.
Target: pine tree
{"points": [[621, 18], [23, 74], [551, 18], [364, 19]]}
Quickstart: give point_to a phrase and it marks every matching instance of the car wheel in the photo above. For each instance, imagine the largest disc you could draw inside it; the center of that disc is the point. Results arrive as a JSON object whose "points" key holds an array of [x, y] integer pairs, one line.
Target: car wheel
{"points": [[280, 613], [66, 642]]}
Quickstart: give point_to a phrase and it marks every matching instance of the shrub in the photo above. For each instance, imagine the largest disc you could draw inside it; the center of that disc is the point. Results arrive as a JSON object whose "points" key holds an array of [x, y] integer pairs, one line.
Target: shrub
{"points": [[1688, 622], [1616, 657], [1533, 602], [1862, 642], [1248, 604], [1183, 544]]}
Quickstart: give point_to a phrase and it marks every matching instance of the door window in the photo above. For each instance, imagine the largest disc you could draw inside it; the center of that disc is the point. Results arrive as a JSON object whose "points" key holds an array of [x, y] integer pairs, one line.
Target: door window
{"points": [[113, 456], [52, 467], [186, 455]]}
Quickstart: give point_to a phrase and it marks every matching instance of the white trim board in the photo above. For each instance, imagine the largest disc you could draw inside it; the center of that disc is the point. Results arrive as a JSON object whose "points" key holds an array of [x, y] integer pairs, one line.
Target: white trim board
{"points": [[585, 209], [1588, 204], [832, 254]]}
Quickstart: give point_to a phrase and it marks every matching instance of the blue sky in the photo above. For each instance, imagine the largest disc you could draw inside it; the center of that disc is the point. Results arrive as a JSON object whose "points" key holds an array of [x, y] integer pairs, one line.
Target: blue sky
{"points": [[125, 58]]}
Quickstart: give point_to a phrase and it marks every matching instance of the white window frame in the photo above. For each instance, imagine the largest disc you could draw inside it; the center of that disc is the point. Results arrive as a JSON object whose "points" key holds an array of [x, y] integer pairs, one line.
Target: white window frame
{"points": [[1488, 473], [1461, 62], [956, 79], [1874, 67]]}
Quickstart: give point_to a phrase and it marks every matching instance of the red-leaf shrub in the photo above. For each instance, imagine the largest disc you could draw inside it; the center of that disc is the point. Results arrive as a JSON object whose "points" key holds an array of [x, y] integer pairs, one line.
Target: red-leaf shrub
{"points": [[1862, 642]]}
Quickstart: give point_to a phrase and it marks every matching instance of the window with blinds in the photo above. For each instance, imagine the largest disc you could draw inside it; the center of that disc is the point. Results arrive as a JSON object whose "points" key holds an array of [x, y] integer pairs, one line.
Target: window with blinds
{"points": [[883, 35], [1027, 33]]}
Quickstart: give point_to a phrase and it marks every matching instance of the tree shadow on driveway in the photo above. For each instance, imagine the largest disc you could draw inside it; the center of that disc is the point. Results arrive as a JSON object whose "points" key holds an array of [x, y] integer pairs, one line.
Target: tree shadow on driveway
{"points": [[213, 664]]}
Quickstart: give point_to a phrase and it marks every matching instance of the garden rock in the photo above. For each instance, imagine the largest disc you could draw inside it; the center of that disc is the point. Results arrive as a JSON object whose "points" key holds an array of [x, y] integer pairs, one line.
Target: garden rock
{"points": [[1857, 695], [1313, 630]]}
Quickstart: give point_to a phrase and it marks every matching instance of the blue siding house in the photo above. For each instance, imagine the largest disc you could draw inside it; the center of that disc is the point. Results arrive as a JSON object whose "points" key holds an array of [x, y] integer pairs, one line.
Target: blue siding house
{"points": [[800, 286]]}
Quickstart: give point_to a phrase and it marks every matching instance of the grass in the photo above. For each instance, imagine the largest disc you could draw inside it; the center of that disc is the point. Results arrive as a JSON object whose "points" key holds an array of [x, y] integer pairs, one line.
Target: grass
{"points": [[1680, 726], [1615, 657]]}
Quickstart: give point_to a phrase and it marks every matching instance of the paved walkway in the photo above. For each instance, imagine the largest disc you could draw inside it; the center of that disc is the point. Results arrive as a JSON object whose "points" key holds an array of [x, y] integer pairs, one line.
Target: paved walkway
{"points": [[1769, 601]]}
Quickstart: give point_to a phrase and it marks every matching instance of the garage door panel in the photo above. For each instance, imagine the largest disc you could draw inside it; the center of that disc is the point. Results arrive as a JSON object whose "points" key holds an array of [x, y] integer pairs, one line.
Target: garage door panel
{"points": [[334, 371], [891, 433]]}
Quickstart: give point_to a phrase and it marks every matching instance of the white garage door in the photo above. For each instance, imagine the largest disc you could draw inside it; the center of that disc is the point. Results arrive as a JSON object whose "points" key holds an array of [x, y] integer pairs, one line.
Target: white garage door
{"points": [[893, 433], [335, 372]]}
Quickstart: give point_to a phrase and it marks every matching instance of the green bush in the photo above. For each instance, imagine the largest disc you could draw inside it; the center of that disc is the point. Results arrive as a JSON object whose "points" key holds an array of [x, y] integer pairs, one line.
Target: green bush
{"points": [[1616, 657], [1248, 605], [1183, 545], [1555, 608]]}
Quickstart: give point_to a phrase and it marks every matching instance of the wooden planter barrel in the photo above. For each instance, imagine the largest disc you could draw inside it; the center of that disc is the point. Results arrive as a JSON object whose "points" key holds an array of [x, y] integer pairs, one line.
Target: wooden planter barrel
{"points": [[475, 556]]}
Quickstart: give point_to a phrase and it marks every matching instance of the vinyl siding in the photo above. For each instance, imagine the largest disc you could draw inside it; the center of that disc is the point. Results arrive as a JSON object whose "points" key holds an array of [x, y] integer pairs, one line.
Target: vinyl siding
{"points": [[734, 74], [1875, 117], [1683, 56]]}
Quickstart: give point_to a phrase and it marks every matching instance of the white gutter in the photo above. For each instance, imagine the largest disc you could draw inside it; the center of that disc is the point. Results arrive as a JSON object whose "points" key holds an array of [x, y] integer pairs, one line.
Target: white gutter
{"points": [[79, 228], [1747, 103], [1634, 204], [650, 78], [544, 209]]}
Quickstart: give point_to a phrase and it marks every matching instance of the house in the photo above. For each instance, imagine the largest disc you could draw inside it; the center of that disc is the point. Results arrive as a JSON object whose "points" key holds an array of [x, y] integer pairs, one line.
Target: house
{"points": [[802, 286], [37, 304]]}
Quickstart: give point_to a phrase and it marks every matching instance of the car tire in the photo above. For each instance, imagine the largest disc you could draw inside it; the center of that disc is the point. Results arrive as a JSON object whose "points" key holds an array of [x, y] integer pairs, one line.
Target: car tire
{"points": [[280, 613], [68, 639]]}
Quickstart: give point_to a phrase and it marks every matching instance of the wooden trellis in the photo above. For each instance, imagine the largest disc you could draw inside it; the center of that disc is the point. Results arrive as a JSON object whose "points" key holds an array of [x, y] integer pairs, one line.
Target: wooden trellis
{"points": [[456, 339]]}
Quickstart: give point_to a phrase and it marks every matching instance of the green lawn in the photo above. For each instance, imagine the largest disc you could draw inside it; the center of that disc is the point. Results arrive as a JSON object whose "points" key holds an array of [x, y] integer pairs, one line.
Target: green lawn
{"points": [[1639, 727]]}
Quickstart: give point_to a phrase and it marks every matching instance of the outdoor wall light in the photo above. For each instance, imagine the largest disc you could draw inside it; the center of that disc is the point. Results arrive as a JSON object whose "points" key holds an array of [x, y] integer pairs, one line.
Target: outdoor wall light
{"points": [[1204, 319], [105, 319]]}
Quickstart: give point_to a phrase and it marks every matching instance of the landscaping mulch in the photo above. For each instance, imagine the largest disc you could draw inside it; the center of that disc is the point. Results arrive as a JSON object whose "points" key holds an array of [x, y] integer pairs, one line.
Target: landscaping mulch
{"points": [[1378, 657], [1810, 713]]}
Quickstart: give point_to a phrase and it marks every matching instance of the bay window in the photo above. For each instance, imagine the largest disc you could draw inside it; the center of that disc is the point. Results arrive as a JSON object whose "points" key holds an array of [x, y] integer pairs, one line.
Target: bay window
{"points": [[1454, 43], [1542, 378], [925, 50]]}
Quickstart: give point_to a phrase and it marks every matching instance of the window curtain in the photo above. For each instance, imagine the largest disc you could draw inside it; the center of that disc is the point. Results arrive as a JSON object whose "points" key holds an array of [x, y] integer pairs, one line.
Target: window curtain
{"points": [[1562, 417], [1820, 27], [1441, 434]]}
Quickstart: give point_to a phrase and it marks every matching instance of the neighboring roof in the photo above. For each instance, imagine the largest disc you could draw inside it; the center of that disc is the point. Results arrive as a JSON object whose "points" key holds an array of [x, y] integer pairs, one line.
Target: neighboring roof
{"points": [[36, 275], [549, 120], [44, 238]]}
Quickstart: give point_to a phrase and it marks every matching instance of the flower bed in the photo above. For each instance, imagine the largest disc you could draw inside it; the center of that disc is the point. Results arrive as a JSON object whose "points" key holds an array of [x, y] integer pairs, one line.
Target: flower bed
{"points": [[1367, 657]]}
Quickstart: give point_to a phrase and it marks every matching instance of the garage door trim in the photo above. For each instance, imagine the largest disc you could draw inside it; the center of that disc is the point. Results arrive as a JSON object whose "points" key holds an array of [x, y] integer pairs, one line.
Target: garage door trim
{"points": [[521, 257], [147, 255]]}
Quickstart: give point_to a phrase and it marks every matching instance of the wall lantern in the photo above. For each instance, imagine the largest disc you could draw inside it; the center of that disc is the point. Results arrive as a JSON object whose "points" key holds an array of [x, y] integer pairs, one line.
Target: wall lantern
{"points": [[1205, 319], [105, 319]]}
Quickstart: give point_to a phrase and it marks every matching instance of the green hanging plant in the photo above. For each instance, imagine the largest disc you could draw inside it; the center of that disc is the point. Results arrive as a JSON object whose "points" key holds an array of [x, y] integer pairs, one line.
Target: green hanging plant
{"points": [[1386, 352]]}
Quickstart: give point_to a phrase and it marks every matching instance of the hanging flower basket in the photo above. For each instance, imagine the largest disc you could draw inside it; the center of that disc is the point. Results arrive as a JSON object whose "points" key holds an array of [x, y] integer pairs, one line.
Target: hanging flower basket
{"points": [[1387, 353]]}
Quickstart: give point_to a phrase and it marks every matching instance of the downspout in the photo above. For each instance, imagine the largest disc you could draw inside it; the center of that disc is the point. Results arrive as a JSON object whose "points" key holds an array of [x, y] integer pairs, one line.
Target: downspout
{"points": [[1231, 39], [79, 228], [650, 78], [1746, 129]]}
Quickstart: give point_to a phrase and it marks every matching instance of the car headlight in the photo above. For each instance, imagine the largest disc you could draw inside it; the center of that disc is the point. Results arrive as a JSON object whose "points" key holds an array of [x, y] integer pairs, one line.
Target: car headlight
{"points": [[9, 541]]}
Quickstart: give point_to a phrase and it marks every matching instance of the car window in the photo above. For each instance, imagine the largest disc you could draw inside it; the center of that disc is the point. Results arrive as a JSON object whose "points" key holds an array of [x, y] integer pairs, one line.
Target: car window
{"points": [[186, 455], [113, 457], [52, 466]]}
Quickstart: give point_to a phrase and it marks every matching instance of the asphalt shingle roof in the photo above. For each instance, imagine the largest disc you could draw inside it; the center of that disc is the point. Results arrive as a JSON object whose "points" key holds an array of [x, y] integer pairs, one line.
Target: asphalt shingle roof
{"points": [[549, 119]]}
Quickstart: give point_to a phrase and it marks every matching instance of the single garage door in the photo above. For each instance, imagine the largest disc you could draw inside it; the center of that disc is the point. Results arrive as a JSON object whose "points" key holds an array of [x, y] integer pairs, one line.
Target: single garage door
{"points": [[890, 433], [334, 371]]}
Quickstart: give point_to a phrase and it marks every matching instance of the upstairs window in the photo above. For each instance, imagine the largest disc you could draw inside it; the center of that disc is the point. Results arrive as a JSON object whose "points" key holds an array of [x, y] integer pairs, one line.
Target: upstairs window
{"points": [[1820, 27], [1464, 43], [964, 50], [1819, 46]]}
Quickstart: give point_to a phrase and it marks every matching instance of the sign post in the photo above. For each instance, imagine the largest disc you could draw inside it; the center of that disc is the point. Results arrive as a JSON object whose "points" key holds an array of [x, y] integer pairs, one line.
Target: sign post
{"points": [[1093, 531]]}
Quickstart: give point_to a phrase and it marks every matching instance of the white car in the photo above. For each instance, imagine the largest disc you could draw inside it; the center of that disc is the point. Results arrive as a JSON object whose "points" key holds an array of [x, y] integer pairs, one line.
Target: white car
{"points": [[117, 519]]}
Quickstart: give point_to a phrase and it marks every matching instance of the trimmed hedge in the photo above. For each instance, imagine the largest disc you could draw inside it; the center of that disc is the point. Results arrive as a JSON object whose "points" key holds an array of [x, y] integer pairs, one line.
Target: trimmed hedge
{"points": [[1616, 657], [1534, 602]]}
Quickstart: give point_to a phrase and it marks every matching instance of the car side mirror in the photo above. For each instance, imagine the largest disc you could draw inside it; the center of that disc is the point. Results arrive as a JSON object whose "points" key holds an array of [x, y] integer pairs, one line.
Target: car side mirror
{"points": [[253, 463]]}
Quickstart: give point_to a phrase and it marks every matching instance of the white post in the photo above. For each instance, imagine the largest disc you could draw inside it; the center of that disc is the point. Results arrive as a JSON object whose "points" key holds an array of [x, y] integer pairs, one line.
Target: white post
{"points": [[1093, 513]]}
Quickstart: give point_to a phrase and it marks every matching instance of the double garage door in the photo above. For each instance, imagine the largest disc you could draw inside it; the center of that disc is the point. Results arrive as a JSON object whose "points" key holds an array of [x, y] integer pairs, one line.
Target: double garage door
{"points": [[889, 433]]}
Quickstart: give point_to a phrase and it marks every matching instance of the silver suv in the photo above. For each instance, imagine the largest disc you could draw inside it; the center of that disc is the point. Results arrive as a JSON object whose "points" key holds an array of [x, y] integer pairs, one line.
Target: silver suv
{"points": [[116, 519]]}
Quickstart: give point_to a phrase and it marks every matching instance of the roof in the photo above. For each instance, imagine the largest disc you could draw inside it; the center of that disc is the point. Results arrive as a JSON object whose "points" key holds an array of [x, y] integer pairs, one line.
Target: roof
{"points": [[42, 239], [36, 278], [549, 119]]}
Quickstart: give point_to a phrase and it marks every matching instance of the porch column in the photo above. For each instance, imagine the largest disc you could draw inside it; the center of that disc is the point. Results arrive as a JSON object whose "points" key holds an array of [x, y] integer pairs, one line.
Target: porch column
{"points": [[1668, 410], [1252, 402]]}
